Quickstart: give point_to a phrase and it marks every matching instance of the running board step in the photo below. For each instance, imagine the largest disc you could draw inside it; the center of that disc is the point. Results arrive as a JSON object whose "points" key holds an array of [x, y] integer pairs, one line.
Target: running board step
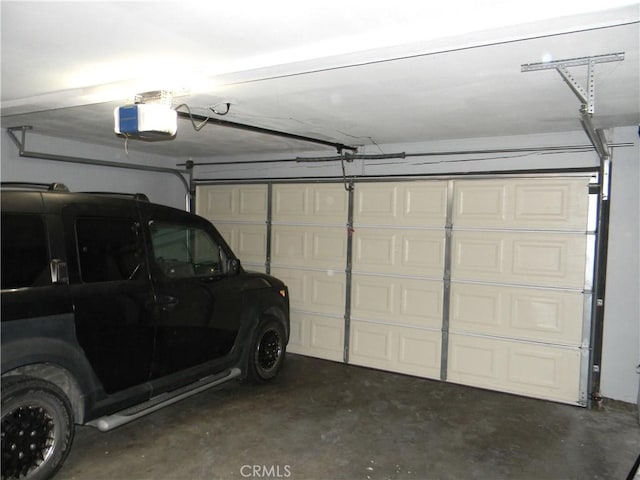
{"points": [[110, 422]]}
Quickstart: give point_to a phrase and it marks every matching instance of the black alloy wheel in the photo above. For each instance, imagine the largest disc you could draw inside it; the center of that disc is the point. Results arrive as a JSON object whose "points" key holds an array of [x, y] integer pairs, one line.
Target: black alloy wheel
{"points": [[268, 351], [37, 428]]}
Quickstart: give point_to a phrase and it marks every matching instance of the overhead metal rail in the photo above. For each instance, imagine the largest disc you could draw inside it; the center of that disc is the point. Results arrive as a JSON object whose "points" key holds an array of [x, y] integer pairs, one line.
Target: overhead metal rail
{"points": [[340, 147], [21, 144], [403, 155]]}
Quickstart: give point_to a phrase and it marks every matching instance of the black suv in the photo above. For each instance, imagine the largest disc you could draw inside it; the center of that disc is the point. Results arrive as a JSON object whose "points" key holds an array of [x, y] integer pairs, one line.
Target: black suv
{"points": [[113, 307]]}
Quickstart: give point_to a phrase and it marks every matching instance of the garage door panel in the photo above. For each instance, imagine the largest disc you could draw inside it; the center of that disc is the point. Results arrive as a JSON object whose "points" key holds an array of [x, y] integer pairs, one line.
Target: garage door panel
{"points": [[397, 300], [290, 246], [330, 203], [375, 250], [314, 291], [216, 202], [552, 259], [419, 352], [329, 246], [328, 292], [248, 242], [252, 242], [538, 370], [422, 252], [522, 313], [370, 344], [376, 204], [290, 202], [408, 204], [397, 349], [476, 256], [425, 203], [232, 202], [374, 296], [309, 246], [399, 251], [317, 336], [548, 204], [303, 203]]}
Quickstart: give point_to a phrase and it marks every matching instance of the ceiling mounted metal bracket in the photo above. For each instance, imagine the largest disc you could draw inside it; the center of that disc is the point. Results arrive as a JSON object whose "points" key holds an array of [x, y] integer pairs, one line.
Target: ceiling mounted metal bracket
{"points": [[587, 100], [586, 96]]}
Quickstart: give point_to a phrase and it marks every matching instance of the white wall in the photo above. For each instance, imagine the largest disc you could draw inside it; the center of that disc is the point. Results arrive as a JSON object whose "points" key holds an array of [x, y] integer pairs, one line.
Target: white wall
{"points": [[621, 340], [160, 187]]}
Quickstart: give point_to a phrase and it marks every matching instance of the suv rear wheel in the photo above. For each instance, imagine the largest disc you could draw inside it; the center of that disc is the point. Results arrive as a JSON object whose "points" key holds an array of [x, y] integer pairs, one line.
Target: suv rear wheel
{"points": [[267, 351], [37, 428]]}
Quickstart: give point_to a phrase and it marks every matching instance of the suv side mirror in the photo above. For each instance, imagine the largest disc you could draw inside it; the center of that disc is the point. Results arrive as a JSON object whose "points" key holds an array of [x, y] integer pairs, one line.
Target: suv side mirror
{"points": [[233, 266]]}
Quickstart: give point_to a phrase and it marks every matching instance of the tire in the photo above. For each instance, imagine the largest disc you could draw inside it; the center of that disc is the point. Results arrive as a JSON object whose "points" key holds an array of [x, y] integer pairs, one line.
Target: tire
{"points": [[37, 428], [268, 350]]}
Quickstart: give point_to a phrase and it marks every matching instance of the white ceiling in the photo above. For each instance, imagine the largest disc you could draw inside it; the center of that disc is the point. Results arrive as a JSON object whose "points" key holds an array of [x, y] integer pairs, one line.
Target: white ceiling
{"points": [[362, 73]]}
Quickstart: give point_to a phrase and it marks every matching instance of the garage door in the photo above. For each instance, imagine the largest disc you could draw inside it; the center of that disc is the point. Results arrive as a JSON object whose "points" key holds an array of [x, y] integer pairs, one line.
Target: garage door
{"points": [[483, 282]]}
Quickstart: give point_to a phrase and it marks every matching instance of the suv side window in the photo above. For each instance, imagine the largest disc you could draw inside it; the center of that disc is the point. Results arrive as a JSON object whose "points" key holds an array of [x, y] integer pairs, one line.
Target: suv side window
{"points": [[183, 251], [25, 254], [108, 249]]}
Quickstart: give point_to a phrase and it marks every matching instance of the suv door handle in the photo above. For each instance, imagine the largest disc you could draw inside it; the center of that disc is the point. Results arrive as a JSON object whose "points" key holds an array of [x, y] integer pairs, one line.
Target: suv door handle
{"points": [[167, 302]]}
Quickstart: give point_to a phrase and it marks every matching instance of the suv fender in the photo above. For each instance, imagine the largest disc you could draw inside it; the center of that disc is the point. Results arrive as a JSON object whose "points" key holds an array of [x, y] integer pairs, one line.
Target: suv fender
{"points": [[56, 361]]}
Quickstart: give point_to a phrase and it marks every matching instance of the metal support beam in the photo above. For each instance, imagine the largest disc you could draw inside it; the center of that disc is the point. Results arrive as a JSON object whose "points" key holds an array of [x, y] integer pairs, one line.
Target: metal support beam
{"points": [[89, 161], [573, 84]]}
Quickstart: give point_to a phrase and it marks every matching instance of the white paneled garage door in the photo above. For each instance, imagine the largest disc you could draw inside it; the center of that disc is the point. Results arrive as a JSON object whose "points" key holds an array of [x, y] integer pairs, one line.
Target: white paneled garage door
{"points": [[309, 251], [483, 282]]}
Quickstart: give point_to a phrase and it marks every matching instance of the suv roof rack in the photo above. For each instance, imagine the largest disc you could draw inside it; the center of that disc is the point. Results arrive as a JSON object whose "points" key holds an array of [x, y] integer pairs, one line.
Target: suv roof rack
{"points": [[54, 187], [135, 196], [61, 187]]}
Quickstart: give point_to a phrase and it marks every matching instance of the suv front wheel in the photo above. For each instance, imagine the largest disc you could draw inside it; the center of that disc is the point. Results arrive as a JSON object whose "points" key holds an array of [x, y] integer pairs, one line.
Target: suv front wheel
{"points": [[37, 428], [267, 351]]}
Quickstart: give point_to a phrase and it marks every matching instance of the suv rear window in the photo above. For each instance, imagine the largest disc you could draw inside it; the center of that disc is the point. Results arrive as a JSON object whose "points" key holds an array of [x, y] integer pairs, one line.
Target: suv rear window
{"points": [[25, 255], [108, 249]]}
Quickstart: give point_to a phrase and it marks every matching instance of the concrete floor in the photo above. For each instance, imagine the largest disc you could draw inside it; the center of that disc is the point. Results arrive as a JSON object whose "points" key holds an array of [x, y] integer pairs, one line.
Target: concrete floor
{"points": [[325, 420]]}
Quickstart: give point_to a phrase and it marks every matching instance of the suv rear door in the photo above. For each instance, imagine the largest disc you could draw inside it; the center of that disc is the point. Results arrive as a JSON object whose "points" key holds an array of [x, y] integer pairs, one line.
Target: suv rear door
{"points": [[111, 290], [33, 305]]}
